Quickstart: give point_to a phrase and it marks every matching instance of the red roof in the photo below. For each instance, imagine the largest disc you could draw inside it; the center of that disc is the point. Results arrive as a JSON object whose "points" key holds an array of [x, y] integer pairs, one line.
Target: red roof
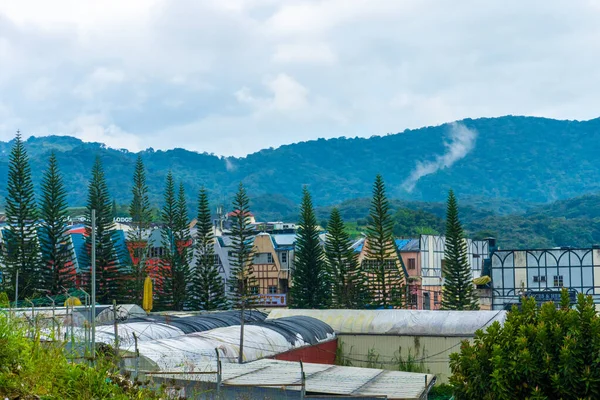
{"points": [[236, 212]]}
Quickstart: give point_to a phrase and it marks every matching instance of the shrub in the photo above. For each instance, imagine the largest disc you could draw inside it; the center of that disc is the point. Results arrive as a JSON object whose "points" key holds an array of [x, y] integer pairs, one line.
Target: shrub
{"points": [[30, 368], [539, 353]]}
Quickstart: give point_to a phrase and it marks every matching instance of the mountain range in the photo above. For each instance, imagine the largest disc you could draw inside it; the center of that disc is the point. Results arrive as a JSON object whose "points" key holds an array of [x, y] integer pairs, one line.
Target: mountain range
{"points": [[530, 180], [507, 162]]}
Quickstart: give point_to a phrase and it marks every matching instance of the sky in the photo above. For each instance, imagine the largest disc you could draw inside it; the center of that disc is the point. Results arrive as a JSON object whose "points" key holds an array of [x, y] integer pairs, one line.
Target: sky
{"points": [[231, 77]]}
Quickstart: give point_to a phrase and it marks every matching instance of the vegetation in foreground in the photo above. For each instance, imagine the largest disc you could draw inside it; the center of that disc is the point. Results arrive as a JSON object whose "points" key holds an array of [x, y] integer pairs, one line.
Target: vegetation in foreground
{"points": [[539, 353], [33, 369]]}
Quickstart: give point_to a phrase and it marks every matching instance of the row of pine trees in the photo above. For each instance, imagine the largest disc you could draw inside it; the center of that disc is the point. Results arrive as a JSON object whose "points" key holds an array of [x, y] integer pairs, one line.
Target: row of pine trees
{"points": [[36, 249]]}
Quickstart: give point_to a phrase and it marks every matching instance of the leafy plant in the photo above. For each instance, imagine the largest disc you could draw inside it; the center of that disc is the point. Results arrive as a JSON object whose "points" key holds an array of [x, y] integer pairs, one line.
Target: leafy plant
{"points": [[539, 353], [412, 362]]}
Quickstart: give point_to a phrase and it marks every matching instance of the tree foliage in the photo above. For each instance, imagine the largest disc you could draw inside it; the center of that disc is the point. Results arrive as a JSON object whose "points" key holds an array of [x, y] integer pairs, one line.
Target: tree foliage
{"points": [[311, 285], [56, 249], [241, 255], [21, 251], [382, 265], [174, 267], [208, 288], [348, 288], [141, 217], [539, 353], [109, 276], [458, 291]]}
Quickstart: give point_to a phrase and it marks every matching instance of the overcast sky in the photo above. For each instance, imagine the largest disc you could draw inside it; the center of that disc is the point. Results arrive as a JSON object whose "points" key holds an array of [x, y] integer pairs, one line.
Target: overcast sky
{"points": [[234, 76]]}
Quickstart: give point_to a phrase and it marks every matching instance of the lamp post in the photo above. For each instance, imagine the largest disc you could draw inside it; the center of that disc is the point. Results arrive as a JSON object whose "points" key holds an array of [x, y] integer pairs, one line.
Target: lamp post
{"points": [[93, 267]]}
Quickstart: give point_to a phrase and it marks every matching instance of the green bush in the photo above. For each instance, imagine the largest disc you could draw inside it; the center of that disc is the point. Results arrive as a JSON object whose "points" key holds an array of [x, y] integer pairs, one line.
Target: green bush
{"points": [[539, 353], [30, 368]]}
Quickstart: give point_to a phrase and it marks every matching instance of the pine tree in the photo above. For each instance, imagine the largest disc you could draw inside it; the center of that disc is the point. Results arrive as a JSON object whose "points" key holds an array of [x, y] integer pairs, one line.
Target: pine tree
{"points": [[382, 264], [208, 289], [458, 292], [347, 281], [241, 255], [311, 287], [141, 217], [109, 274], [182, 272], [54, 239], [114, 208], [21, 251], [168, 219]]}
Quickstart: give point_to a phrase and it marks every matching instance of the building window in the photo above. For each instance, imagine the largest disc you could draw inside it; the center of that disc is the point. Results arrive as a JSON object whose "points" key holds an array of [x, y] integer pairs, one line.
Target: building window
{"points": [[540, 278], [272, 289], [436, 298], [413, 299], [558, 280], [284, 257], [270, 258], [254, 289], [412, 263]]}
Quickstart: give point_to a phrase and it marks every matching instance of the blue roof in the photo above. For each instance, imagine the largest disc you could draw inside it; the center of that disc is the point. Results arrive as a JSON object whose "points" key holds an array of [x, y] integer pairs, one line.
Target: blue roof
{"points": [[400, 243], [78, 240]]}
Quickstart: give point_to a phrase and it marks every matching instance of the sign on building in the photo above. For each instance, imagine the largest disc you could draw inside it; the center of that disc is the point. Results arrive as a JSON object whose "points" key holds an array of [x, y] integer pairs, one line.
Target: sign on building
{"points": [[271, 300]]}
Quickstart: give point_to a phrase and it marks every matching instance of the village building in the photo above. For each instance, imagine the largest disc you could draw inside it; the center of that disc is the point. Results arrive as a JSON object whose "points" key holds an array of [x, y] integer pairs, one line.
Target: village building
{"points": [[542, 273]]}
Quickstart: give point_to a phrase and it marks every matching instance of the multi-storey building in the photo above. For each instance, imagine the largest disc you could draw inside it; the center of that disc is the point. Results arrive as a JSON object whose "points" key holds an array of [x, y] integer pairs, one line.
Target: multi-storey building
{"points": [[542, 274]]}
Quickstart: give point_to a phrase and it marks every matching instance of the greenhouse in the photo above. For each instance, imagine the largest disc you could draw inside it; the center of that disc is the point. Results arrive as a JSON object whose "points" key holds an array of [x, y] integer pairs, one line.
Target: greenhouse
{"points": [[261, 340], [393, 336], [164, 326]]}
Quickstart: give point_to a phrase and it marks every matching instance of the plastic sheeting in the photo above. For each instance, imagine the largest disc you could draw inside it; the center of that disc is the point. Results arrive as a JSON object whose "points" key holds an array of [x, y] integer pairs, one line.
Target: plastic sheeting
{"points": [[205, 322], [400, 322], [308, 329], [125, 312], [260, 340]]}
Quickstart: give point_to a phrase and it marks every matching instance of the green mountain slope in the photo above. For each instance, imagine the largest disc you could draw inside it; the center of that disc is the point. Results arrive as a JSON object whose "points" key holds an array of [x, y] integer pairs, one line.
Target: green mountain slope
{"points": [[504, 163]]}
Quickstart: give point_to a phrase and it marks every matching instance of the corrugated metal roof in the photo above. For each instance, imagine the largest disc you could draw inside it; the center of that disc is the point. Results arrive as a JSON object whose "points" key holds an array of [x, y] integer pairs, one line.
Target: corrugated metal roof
{"points": [[410, 245], [400, 322], [400, 243], [320, 378], [284, 240]]}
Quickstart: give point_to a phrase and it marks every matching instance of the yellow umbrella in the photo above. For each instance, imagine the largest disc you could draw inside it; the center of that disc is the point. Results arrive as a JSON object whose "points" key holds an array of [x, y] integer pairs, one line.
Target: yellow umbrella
{"points": [[147, 300], [72, 301]]}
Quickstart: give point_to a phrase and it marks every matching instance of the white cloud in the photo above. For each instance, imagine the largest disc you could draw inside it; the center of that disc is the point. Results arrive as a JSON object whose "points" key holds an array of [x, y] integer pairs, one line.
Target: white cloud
{"points": [[231, 77], [304, 53], [286, 94], [95, 128]]}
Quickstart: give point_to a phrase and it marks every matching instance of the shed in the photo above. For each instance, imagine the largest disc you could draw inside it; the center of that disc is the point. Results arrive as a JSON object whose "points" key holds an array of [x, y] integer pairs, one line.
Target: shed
{"points": [[386, 338], [271, 379]]}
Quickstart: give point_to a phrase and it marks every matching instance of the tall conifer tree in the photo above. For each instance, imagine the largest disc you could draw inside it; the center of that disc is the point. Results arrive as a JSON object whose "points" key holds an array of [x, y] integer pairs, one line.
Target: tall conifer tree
{"points": [[458, 292], [241, 280], [347, 281], [109, 276], [311, 287], [208, 290], [141, 217], [54, 239], [183, 240], [21, 251], [382, 265], [169, 249]]}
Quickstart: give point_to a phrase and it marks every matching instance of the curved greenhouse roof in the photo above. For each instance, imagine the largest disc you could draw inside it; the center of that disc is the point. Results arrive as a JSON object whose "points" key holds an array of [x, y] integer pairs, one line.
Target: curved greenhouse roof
{"points": [[163, 327], [400, 322], [264, 339]]}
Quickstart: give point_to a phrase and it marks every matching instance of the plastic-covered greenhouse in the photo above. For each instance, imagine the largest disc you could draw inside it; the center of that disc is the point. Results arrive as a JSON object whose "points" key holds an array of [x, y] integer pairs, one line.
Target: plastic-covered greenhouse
{"points": [[261, 339], [163, 327]]}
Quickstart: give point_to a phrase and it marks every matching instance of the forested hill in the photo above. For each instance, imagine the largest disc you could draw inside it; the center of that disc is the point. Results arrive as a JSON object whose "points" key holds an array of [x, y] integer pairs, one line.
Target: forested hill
{"points": [[520, 159]]}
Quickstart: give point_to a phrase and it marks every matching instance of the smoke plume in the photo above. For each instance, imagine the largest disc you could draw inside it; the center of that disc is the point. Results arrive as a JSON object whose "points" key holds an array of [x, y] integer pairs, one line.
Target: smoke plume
{"points": [[461, 141]]}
